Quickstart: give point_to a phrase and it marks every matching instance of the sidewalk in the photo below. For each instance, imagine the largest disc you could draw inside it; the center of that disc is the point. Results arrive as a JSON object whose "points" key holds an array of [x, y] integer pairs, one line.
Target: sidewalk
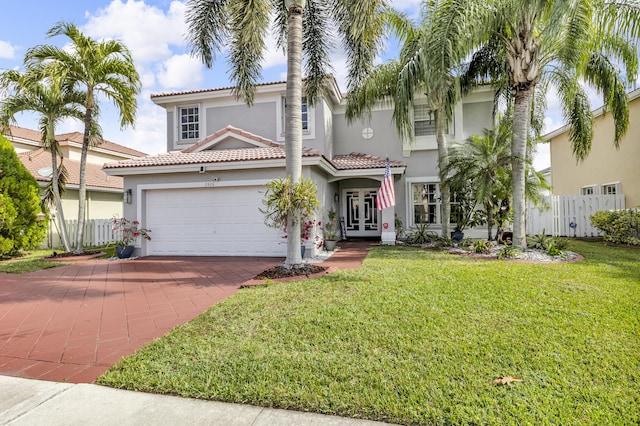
{"points": [[37, 402]]}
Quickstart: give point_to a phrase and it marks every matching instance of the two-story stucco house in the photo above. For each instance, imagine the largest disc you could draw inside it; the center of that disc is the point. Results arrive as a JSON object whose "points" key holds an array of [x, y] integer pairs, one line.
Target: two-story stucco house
{"points": [[203, 196]]}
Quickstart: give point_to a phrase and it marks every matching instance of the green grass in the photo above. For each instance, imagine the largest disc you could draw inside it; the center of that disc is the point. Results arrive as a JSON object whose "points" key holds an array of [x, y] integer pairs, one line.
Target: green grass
{"points": [[416, 337], [30, 261]]}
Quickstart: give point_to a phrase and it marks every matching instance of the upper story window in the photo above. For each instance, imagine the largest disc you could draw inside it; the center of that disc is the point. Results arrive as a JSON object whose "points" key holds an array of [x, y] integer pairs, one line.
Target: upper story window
{"points": [[424, 123], [588, 190], [305, 114], [611, 189], [189, 122]]}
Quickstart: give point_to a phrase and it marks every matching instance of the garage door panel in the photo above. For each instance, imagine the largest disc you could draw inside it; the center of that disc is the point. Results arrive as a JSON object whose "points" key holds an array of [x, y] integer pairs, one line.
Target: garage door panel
{"points": [[210, 221]]}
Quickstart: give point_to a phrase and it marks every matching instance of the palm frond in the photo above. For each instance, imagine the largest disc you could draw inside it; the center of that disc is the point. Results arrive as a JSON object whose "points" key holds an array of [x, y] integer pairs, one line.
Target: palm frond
{"points": [[207, 27]]}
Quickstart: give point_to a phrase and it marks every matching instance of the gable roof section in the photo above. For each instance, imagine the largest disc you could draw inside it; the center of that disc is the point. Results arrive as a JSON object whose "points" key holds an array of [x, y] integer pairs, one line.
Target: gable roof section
{"points": [[230, 131], [359, 161], [25, 134], [40, 159], [177, 158], [77, 137], [22, 134]]}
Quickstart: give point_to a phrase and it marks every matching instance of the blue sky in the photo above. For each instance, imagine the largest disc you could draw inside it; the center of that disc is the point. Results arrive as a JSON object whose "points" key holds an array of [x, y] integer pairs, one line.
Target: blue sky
{"points": [[154, 32]]}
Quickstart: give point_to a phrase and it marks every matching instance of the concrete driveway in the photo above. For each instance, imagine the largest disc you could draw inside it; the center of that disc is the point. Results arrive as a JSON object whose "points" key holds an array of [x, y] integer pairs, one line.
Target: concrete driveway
{"points": [[72, 323]]}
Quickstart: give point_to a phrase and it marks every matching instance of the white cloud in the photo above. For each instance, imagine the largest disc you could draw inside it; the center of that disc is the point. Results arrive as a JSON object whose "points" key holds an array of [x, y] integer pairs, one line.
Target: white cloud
{"points": [[149, 135], [7, 51], [180, 71], [147, 31]]}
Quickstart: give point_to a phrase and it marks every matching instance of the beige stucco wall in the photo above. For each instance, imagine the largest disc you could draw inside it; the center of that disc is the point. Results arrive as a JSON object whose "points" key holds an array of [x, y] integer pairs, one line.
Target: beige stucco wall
{"points": [[604, 164]]}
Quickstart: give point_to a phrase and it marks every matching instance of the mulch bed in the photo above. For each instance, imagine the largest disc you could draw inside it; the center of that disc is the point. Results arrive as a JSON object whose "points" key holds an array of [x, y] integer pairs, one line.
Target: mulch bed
{"points": [[280, 271]]}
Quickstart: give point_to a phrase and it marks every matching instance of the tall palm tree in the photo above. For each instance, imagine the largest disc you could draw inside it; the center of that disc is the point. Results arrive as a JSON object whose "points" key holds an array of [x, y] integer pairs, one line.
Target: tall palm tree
{"points": [[99, 68], [302, 27], [556, 42], [31, 91], [427, 64], [484, 161]]}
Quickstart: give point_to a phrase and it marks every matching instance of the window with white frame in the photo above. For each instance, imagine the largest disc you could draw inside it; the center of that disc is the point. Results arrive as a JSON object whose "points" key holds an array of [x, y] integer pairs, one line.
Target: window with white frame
{"points": [[305, 115], [588, 190], [189, 122], [425, 203], [611, 188], [424, 122]]}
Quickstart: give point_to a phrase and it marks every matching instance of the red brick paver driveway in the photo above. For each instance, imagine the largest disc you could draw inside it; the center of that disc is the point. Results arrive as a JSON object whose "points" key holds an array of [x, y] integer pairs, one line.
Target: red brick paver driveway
{"points": [[72, 323]]}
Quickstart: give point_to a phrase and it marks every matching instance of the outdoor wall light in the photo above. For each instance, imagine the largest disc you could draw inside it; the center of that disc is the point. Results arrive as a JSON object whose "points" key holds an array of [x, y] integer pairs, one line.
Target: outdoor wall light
{"points": [[128, 196], [336, 197], [40, 217]]}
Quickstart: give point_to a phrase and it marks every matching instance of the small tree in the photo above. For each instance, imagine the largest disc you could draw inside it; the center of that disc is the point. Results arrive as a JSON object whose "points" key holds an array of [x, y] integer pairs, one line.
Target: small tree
{"points": [[285, 200], [19, 204]]}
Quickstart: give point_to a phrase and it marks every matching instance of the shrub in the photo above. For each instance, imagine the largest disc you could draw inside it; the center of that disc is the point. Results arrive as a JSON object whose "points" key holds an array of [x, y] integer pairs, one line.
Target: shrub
{"points": [[619, 226], [540, 241], [421, 235], [508, 252], [481, 246], [19, 204]]}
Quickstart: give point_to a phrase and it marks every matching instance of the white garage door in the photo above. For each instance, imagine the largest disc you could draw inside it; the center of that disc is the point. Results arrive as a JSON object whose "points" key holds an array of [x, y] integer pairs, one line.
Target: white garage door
{"points": [[210, 222]]}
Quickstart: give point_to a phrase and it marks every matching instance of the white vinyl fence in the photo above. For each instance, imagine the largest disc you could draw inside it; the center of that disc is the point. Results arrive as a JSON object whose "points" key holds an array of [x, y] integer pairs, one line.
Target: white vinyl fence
{"points": [[97, 232], [568, 215]]}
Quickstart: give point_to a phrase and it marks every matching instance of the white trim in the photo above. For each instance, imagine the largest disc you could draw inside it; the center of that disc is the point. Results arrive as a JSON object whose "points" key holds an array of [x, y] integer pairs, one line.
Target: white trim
{"points": [[596, 189], [408, 220], [177, 131], [310, 133], [189, 185]]}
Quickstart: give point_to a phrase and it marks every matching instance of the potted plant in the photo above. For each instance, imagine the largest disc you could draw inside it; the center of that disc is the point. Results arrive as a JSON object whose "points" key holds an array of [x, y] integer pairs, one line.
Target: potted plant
{"points": [[463, 211], [330, 232], [129, 231]]}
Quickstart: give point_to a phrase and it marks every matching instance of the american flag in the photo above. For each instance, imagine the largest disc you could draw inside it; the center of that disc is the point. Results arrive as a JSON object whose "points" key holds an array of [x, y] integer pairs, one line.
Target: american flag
{"points": [[386, 194]]}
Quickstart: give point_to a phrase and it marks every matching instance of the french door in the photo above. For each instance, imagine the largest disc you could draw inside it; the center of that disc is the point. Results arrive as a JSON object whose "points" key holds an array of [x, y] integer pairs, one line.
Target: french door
{"points": [[360, 213]]}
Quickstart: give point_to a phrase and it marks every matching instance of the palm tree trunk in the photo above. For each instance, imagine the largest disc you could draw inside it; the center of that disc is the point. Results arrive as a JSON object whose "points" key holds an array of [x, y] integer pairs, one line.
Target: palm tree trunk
{"points": [[82, 190], [521, 120], [62, 225], [443, 160], [293, 126]]}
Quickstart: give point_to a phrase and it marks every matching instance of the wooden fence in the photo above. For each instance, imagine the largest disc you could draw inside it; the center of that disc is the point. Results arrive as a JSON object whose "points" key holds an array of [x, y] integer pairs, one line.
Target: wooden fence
{"points": [[97, 232], [568, 215]]}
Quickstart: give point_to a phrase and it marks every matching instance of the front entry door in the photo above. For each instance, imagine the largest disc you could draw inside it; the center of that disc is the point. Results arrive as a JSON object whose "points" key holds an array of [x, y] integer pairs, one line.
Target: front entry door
{"points": [[360, 213]]}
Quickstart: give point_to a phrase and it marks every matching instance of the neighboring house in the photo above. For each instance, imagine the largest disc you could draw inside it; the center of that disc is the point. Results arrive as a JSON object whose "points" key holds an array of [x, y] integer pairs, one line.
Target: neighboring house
{"points": [[203, 196], [104, 192], [606, 170]]}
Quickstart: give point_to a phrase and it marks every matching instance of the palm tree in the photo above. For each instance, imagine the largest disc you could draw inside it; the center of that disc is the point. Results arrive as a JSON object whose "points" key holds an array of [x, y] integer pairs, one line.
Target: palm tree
{"points": [[31, 91], [426, 65], [304, 25], [560, 43], [483, 164], [97, 68]]}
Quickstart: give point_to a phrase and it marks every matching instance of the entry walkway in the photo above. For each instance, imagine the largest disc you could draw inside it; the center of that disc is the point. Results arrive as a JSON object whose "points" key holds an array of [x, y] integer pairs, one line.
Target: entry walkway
{"points": [[72, 323]]}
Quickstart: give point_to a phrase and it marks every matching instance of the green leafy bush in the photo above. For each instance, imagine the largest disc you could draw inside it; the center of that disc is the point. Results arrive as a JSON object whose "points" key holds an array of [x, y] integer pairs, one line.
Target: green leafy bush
{"points": [[421, 235], [481, 246], [508, 252], [540, 241], [619, 226], [19, 205]]}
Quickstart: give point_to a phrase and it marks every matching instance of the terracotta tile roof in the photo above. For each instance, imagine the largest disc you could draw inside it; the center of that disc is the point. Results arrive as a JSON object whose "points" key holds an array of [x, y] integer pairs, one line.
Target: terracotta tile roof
{"points": [[356, 160], [77, 137], [175, 158], [236, 131], [22, 133], [219, 89], [96, 177]]}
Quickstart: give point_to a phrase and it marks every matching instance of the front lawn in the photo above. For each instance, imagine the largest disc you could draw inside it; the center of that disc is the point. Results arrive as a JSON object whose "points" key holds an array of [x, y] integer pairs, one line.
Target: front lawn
{"points": [[33, 260], [417, 337]]}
